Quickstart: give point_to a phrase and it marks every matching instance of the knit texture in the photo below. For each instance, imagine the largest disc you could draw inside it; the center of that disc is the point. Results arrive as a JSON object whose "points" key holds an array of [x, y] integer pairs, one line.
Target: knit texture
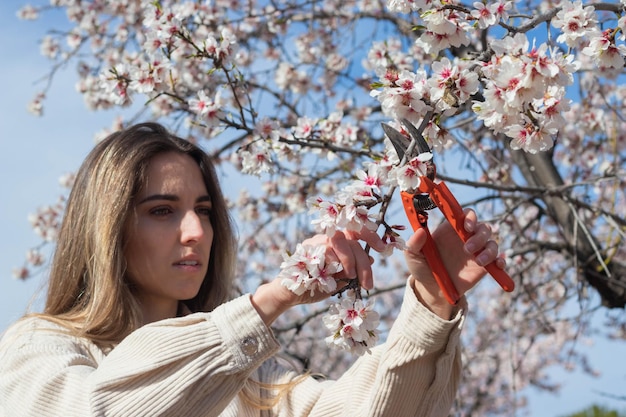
{"points": [[197, 365]]}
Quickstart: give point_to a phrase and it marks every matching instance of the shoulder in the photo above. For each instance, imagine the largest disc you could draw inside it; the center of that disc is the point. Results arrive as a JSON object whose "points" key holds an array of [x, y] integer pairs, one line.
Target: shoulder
{"points": [[38, 334], [29, 328]]}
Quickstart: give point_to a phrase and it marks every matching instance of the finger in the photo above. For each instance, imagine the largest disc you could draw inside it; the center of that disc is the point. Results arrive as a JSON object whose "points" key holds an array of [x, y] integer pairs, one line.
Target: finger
{"points": [[488, 254], [370, 237], [354, 259], [501, 262], [363, 266], [478, 240], [316, 240], [416, 241], [342, 249], [470, 221]]}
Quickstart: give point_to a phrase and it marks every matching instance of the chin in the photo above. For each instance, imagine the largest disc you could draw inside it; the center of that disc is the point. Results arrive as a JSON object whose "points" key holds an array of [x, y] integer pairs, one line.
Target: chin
{"points": [[188, 295]]}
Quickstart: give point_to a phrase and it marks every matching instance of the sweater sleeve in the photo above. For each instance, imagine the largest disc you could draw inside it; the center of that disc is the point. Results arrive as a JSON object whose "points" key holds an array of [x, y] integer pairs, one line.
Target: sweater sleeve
{"points": [[414, 373], [187, 366]]}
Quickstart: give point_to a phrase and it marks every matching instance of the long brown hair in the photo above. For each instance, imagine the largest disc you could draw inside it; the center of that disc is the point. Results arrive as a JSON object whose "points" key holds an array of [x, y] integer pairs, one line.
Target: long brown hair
{"points": [[88, 291]]}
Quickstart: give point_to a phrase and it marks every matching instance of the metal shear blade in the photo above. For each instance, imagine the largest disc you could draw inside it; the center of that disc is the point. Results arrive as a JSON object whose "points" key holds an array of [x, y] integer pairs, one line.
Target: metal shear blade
{"points": [[422, 145], [398, 140], [401, 144]]}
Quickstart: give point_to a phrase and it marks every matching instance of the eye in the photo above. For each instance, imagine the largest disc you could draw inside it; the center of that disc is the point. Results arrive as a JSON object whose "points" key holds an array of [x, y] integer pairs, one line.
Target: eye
{"points": [[204, 210], [161, 211]]}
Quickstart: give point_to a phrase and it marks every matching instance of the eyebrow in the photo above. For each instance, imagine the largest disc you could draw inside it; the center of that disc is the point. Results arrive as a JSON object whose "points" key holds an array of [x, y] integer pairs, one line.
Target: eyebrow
{"points": [[172, 197]]}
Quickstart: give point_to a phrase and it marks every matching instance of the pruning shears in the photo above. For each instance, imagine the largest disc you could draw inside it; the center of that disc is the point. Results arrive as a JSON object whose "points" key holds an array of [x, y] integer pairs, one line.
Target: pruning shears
{"points": [[428, 196]]}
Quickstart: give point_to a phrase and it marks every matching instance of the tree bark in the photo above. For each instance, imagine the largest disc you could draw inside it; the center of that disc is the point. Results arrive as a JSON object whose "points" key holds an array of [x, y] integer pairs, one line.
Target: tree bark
{"points": [[609, 279]]}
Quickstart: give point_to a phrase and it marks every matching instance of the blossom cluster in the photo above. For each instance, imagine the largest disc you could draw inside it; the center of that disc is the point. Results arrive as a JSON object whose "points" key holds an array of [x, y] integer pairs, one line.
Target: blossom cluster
{"points": [[525, 93], [351, 208], [47, 220], [307, 270], [523, 87], [352, 322], [410, 95]]}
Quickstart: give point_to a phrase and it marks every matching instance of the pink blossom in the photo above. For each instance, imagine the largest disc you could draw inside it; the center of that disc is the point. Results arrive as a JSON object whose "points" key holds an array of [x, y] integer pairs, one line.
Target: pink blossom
{"points": [[21, 273], [438, 136], [484, 14], [306, 270], [575, 21], [444, 28], [406, 6], [74, 39], [373, 178], [354, 218], [28, 12], [256, 159], [530, 137], [408, 178], [47, 221], [603, 49], [393, 242], [328, 215], [143, 80], [405, 99], [353, 325], [49, 47], [36, 104], [35, 257], [67, 180], [267, 128], [209, 110], [304, 128], [451, 86], [501, 9], [153, 42], [336, 62], [441, 22]]}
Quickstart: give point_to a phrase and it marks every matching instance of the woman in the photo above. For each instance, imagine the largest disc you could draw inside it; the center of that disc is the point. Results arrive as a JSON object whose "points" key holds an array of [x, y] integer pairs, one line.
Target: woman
{"points": [[137, 322]]}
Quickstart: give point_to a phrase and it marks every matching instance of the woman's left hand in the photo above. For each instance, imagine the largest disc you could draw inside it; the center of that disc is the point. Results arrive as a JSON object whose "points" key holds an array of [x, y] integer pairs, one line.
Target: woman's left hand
{"points": [[344, 247]]}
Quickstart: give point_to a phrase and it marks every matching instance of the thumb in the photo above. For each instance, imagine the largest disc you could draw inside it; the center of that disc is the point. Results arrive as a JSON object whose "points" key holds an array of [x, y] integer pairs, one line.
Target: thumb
{"points": [[416, 241]]}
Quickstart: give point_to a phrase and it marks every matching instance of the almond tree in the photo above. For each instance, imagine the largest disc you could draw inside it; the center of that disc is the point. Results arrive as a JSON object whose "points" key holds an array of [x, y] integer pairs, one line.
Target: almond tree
{"points": [[522, 103]]}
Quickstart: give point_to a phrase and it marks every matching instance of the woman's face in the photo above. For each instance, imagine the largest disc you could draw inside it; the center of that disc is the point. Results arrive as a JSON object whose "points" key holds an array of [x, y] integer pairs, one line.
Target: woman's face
{"points": [[169, 235]]}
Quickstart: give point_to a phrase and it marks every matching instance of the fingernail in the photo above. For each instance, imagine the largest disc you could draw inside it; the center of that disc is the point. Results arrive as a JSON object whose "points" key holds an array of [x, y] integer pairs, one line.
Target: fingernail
{"points": [[470, 248], [482, 259]]}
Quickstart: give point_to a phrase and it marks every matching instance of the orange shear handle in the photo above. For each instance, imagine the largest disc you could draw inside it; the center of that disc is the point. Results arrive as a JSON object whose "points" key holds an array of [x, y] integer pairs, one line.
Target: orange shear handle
{"points": [[452, 210], [430, 251]]}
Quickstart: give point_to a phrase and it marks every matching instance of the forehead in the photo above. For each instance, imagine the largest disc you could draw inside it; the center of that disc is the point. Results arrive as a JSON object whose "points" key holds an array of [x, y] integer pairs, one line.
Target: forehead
{"points": [[173, 172]]}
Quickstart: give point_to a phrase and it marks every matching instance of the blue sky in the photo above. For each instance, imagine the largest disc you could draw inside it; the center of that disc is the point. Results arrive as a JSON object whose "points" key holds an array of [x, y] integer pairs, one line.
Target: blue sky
{"points": [[37, 151]]}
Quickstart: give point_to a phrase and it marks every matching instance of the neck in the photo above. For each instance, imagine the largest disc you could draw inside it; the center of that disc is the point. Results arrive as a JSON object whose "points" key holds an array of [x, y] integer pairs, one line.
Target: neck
{"points": [[154, 310]]}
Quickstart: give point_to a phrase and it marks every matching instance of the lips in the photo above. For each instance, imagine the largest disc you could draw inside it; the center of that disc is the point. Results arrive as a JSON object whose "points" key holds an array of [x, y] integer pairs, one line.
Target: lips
{"points": [[189, 266], [188, 263]]}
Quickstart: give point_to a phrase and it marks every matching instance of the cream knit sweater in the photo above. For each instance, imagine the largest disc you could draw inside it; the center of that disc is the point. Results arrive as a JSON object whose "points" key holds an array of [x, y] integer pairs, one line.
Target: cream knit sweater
{"points": [[196, 365]]}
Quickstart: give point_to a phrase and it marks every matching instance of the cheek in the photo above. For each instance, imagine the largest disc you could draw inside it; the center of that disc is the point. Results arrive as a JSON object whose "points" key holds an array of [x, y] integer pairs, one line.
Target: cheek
{"points": [[210, 238], [140, 253], [210, 233], [135, 260]]}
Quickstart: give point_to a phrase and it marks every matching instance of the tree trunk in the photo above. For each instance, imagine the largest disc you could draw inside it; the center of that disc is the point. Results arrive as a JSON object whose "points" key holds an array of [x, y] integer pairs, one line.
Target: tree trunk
{"points": [[608, 279]]}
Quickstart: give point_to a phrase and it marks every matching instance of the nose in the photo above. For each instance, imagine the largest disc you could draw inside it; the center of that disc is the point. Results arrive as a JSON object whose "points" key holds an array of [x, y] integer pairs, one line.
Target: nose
{"points": [[191, 228]]}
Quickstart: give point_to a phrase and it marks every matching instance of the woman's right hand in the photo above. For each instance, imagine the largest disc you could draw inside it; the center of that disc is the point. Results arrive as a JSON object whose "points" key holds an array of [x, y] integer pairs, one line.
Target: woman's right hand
{"points": [[464, 262]]}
